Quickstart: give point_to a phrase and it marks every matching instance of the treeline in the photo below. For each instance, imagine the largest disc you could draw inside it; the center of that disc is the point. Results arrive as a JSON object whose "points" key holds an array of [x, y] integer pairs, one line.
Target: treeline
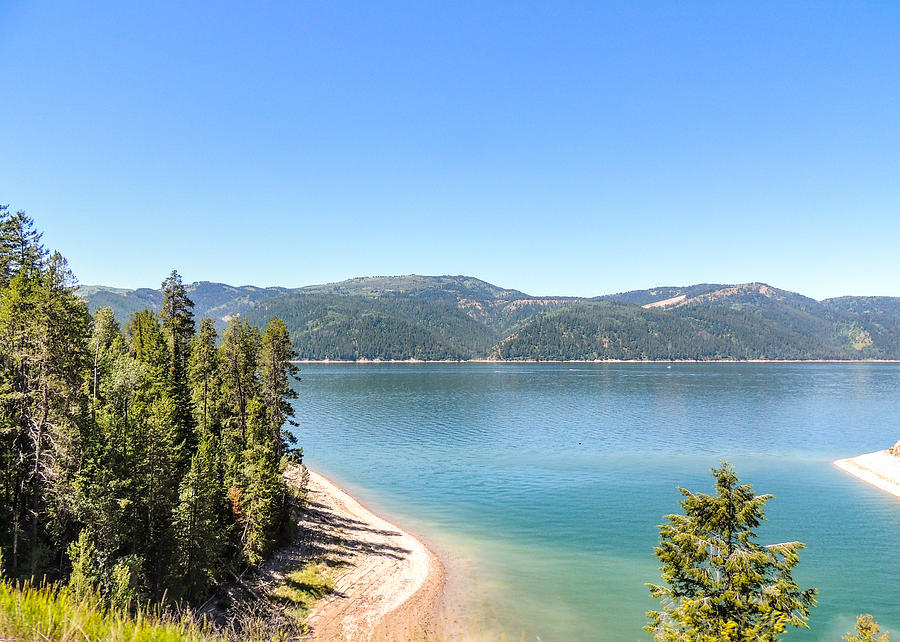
{"points": [[137, 461], [439, 318], [609, 330], [334, 326]]}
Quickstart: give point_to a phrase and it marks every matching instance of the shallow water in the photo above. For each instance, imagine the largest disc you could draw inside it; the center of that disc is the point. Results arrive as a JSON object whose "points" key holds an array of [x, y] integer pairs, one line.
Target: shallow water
{"points": [[543, 483]]}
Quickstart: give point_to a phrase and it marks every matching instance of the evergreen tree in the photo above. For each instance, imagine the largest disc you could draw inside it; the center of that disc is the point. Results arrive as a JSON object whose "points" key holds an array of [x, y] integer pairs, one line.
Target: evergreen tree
{"points": [[262, 502], [147, 344], [43, 326], [84, 580], [198, 522], [21, 251], [238, 358], [276, 372], [102, 476], [105, 330], [177, 317], [867, 630], [721, 584], [159, 458], [6, 245], [204, 376]]}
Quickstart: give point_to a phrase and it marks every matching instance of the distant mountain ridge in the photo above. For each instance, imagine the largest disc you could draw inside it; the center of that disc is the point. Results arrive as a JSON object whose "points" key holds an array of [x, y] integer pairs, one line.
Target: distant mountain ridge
{"points": [[462, 317]]}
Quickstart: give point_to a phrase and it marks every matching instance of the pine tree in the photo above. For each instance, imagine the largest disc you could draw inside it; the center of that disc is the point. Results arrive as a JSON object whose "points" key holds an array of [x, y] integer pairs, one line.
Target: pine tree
{"points": [[156, 448], [867, 630], [6, 245], [238, 357], [99, 457], [262, 502], [177, 317], [198, 522], [204, 376], [147, 344], [721, 584], [158, 461], [43, 326], [105, 330], [84, 580], [21, 251], [276, 372]]}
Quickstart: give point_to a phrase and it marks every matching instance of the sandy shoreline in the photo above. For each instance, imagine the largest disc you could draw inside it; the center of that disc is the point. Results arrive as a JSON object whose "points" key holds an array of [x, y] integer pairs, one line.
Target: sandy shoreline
{"points": [[880, 469], [388, 583]]}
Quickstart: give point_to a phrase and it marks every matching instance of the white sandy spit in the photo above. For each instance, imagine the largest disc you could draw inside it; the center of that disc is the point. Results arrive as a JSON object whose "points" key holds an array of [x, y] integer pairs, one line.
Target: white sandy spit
{"points": [[880, 469]]}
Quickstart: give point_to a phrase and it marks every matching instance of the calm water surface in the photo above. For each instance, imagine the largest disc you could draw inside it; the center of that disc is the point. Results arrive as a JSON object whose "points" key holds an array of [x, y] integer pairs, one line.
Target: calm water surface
{"points": [[542, 484]]}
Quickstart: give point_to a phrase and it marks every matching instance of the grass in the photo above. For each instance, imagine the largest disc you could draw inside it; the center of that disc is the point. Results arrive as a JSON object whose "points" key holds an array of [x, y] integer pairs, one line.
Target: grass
{"points": [[303, 587], [48, 612]]}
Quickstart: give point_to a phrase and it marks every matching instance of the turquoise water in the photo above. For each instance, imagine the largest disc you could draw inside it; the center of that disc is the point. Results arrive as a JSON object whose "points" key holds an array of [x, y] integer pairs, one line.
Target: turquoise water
{"points": [[542, 484]]}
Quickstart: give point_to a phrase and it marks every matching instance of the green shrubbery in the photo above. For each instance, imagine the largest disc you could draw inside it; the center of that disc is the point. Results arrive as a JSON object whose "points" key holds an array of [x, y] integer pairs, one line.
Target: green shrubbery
{"points": [[52, 613]]}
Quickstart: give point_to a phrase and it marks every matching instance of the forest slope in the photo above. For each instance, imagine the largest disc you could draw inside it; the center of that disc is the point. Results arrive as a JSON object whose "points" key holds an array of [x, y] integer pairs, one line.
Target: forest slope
{"points": [[460, 317]]}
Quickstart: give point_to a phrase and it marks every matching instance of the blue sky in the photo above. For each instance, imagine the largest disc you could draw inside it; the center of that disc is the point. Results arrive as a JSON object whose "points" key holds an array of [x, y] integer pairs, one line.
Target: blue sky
{"points": [[564, 148]]}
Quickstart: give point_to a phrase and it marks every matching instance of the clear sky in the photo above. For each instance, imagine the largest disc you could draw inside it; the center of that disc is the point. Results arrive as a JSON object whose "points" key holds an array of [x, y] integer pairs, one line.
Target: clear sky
{"points": [[552, 147]]}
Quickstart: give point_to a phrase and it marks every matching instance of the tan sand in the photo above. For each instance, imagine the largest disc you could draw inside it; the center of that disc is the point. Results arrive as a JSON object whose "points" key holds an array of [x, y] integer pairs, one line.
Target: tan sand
{"points": [[880, 469], [388, 583]]}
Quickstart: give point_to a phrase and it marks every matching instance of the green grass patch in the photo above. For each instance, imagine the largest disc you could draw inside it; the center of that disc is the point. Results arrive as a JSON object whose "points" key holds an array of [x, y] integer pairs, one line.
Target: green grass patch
{"points": [[303, 587], [50, 612]]}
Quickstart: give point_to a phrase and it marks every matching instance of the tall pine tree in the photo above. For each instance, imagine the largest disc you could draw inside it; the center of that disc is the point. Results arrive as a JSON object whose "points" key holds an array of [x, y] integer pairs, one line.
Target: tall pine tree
{"points": [[177, 315], [205, 378], [276, 373], [43, 327], [238, 358]]}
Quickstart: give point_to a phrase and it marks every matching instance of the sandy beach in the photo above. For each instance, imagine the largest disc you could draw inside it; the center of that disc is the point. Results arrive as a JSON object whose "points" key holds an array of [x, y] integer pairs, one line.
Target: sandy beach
{"points": [[880, 469], [388, 583]]}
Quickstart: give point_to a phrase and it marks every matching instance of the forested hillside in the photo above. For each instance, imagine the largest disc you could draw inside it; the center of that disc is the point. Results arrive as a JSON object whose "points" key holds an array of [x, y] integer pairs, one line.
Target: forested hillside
{"points": [[217, 301], [458, 318], [140, 459]]}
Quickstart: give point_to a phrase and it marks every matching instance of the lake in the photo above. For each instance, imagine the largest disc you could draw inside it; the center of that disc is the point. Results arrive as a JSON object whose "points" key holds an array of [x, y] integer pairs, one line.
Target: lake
{"points": [[542, 484]]}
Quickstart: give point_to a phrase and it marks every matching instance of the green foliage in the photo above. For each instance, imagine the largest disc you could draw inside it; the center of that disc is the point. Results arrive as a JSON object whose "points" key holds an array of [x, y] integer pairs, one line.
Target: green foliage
{"points": [[390, 327], [205, 379], [867, 630], [43, 356], [198, 520], [147, 344], [238, 359], [276, 372], [127, 582], [47, 612], [177, 318], [721, 584], [456, 317], [119, 450], [263, 502], [85, 576]]}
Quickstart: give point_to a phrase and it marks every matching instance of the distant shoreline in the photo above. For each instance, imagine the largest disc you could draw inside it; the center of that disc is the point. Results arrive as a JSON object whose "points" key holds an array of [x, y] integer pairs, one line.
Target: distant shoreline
{"points": [[879, 469], [401, 361]]}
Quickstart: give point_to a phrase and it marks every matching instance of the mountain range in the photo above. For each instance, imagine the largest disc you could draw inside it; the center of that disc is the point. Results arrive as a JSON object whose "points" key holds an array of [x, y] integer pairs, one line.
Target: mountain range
{"points": [[461, 317]]}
